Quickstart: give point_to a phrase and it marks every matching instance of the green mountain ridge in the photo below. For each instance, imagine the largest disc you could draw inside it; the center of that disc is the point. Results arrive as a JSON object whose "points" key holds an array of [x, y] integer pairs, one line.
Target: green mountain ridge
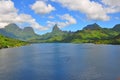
{"points": [[92, 33], [13, 31], [56, 35]]}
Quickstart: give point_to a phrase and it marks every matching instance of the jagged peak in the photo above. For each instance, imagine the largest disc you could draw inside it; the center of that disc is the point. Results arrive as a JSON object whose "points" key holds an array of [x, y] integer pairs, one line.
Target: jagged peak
{"points": [[94, 26], [56, 28]]}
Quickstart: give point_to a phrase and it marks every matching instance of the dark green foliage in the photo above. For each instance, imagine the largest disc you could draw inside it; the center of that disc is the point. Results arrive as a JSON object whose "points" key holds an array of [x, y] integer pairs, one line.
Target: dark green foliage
{"points": [[117, 37], [90, 34], [6, 42], [56, 35]]}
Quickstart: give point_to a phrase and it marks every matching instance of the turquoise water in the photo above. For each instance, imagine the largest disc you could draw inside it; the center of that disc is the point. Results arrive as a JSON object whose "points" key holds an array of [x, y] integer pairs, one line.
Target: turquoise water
{"points": [[60, 61]]}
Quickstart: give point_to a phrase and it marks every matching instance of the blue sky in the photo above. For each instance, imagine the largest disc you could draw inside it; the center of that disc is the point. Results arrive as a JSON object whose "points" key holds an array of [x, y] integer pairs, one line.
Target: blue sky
{"points": [[71, 15]]}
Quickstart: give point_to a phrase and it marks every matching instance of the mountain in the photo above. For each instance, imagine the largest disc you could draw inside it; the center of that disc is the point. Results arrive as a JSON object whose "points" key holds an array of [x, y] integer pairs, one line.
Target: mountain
{"points": [[114, 40], [29, 30], [28, 33], [92, 33], [56, 35], [13, 31], [117, 39], [92, 27], [56, 29], [12, 28], [116, 27], [3, 32], [6, 42]]}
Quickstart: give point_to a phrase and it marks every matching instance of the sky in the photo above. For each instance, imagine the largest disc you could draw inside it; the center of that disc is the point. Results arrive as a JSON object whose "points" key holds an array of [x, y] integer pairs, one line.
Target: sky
{"points": [[69, 15]]}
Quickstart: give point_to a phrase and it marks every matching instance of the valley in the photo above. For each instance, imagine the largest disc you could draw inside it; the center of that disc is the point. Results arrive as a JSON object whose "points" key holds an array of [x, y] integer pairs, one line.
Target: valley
{"points": [[92, 33]]}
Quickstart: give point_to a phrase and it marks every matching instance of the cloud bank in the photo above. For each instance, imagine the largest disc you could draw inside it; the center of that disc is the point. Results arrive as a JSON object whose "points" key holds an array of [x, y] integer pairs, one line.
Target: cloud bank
{"points": [[9, 14], [67, 20], [40, 7], [92, 9]]}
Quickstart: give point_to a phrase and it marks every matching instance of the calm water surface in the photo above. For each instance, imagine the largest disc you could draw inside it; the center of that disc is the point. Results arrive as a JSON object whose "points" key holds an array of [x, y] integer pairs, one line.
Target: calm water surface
{"points": [[59, 61]]}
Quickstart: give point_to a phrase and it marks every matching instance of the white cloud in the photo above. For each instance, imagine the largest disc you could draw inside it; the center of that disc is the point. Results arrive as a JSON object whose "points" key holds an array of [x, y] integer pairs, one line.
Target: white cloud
{"points": [[7, 7], [40, 7], [28, 19], [113, 5], [9, 14], [92, 9], [111, 2], [68, 20]]}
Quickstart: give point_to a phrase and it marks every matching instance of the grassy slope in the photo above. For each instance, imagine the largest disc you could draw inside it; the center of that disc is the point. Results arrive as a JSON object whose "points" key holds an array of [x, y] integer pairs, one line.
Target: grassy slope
{"points": [[89, 36], [6, 42], [84, 36]]}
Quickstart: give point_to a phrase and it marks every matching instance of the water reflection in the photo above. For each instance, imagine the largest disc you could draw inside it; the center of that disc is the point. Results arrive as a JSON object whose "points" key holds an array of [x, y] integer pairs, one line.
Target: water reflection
{"points": [[60, 62]]}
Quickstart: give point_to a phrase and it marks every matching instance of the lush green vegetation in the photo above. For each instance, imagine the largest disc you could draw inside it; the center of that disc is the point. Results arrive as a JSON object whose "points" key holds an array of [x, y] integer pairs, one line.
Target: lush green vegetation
{"points": [[6, 42], [56, 35], [89, 34]]}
